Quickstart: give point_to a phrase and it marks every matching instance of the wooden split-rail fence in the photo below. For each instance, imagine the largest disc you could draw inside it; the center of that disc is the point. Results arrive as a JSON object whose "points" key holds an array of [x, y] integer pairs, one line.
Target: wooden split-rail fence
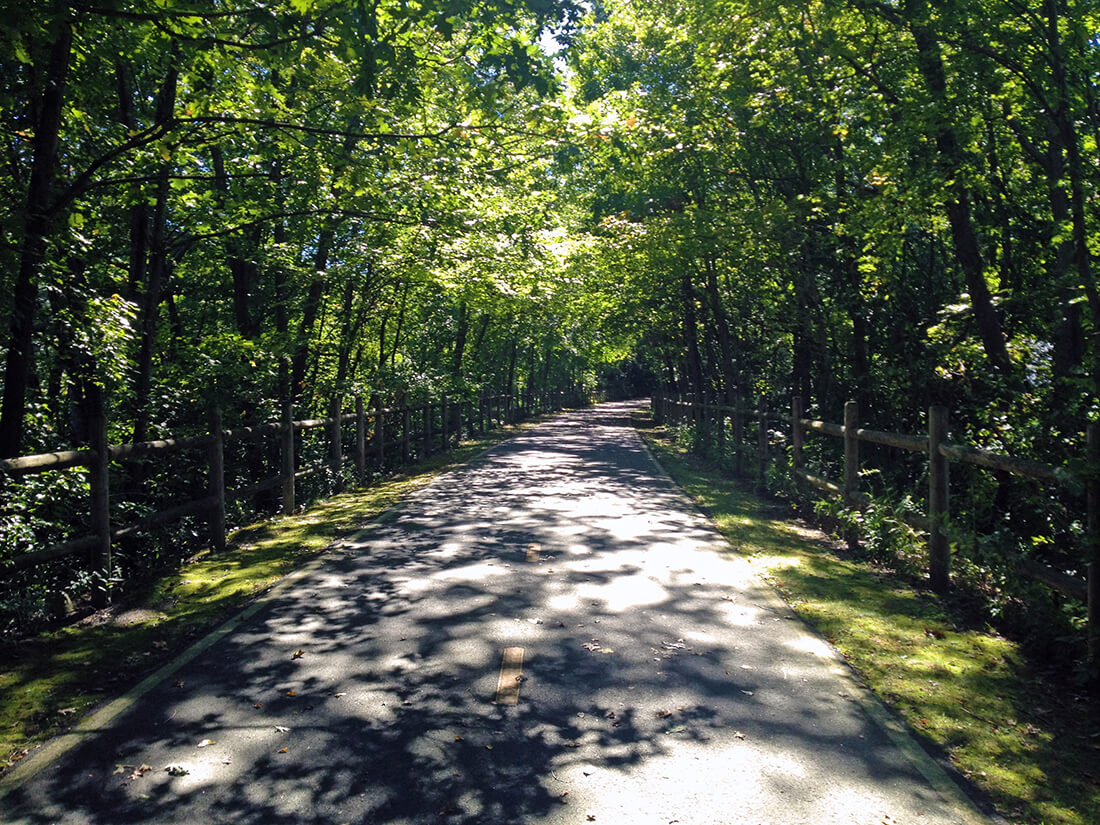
{"points": [[383, 436], [724, 422]]}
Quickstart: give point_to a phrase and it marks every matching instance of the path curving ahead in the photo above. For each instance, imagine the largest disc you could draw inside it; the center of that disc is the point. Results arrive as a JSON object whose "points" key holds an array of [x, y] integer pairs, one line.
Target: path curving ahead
{"points": [[654, 678]]}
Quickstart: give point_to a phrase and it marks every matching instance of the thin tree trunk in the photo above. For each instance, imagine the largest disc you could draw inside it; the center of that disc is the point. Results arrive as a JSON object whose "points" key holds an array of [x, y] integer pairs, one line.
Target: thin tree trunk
{"points": [[400, 323], [967, 250], [150, 305], [460, 340], [36, 227], [722, 330], [690, 333], [310, 311], [1066, 132], [150, 309], [479, 339]]}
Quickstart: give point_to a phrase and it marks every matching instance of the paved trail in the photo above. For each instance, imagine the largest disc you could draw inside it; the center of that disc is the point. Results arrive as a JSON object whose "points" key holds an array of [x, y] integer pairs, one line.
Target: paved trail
{"points": [[660, 682]]}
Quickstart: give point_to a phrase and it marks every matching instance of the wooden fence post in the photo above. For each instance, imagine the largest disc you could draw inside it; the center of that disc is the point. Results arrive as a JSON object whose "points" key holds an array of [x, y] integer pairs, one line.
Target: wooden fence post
{"points": [[406, 421], [445, 425], [798, 437], [851, 452], [717, 424], [100, 499], [426, 422], [379, 431], [762, 445], [360, 439], [1093, 504], [288, 458], [336, 442], [459, 409], [939, 551], [738, 435], [851, 466], [217, 481]]}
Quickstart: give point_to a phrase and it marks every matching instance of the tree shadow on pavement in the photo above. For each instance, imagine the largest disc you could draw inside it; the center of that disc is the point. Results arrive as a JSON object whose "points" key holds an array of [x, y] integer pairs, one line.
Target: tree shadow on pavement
{"points": [[366, 694]]}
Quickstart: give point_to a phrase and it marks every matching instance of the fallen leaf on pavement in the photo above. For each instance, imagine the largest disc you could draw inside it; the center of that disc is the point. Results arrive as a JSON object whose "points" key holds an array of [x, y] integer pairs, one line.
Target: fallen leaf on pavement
{"points": [[282, 729], [283, 750], [205, 743], [298, 654], [177, 770], [141, 771]]}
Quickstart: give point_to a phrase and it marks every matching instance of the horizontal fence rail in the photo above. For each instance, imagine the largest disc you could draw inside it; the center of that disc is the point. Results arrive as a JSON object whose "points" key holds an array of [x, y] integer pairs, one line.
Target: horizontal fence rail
{"points": [[383, 436], [940, 454]]}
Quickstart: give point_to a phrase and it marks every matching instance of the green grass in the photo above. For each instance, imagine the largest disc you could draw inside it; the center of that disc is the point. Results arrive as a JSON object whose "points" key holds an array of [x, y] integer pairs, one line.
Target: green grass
{"points": [[1032, 747], [47, 683]]}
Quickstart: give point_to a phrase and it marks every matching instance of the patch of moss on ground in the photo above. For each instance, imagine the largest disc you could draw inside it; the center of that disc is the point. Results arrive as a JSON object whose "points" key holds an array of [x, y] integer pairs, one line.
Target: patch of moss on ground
{"points": [[1032, 747], [47, 683]]}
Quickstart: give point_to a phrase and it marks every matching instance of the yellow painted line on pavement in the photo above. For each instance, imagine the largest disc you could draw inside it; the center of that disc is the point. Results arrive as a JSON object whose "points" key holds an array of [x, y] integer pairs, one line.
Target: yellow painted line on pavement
{"points": [[511, 676]]}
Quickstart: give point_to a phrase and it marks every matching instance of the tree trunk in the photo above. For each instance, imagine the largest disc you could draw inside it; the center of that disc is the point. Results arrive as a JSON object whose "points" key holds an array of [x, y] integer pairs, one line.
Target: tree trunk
{"points": [[36, 227], [460, 340], [479, 339], [952, 163], [722, 331], [150, 309], [310, 311], [694, 365], [156, 268], [1066, 133], [397, 333]]}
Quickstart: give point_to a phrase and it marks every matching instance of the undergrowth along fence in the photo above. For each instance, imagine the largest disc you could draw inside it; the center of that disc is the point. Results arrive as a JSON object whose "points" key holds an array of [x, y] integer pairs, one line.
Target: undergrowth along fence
{"points": [[380, 437], [721, 422]]}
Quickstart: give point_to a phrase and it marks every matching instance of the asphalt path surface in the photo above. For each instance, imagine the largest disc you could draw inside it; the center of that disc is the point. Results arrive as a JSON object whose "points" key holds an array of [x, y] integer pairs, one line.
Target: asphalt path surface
{"points": [[551, 634]]}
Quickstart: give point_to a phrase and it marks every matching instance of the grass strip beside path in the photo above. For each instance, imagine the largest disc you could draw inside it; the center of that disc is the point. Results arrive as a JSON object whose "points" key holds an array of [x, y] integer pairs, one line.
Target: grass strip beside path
{"points": [[1032, 748], [49, 682]]}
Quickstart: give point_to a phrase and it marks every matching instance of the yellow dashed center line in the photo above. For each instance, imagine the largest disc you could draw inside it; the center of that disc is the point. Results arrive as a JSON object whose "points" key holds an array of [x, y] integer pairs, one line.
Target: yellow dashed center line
{"points": [[511, 676]]}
